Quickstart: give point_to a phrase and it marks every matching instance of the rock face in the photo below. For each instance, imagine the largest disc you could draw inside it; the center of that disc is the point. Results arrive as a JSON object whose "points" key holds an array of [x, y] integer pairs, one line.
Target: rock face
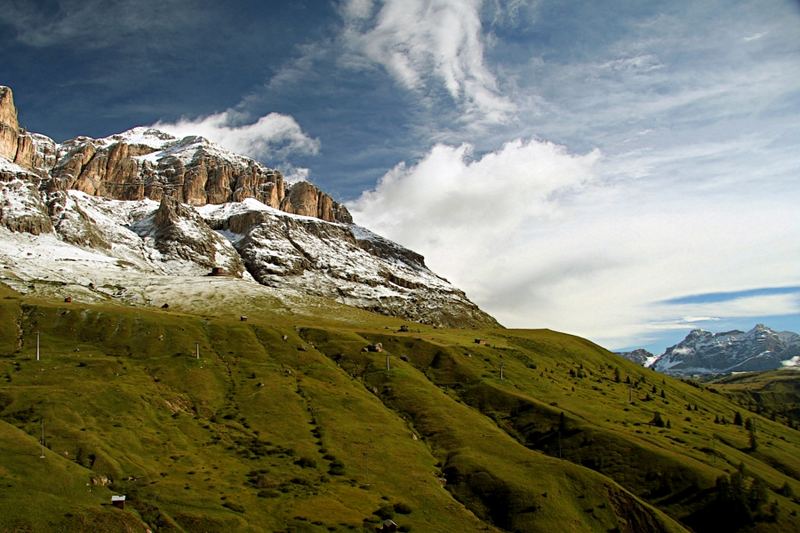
{"points": [[143, 202], [29, 150], [341, 261], [703, 352], [147, 163], [177, 231], [9, 127], [639, 356]]}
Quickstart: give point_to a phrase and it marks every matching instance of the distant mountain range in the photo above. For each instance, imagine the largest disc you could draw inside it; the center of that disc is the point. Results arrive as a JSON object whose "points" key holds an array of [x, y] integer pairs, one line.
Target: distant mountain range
{"points": [[704, 352]]}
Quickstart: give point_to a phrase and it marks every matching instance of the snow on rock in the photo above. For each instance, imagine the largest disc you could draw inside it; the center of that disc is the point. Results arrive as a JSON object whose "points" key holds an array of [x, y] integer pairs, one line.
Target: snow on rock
{"points": [[109, 242], [21, 204], [703, 352]]}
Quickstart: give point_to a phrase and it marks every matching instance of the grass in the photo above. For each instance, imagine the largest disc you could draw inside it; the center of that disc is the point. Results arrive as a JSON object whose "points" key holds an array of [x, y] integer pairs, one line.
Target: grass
{"points": [[284, 423]]}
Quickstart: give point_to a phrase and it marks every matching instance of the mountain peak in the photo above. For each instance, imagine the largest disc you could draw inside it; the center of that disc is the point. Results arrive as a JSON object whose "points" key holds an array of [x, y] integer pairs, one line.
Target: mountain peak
{"points": [[143, 203], [703, 352]]}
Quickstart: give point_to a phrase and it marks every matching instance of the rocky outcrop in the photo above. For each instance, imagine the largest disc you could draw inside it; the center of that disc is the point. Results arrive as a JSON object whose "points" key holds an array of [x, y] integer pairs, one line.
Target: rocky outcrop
{"points": [[147, 163], [640, 356], [9, 127], [306, 200], [177, 231], [21, 205], [342, 262], [30, 151]]}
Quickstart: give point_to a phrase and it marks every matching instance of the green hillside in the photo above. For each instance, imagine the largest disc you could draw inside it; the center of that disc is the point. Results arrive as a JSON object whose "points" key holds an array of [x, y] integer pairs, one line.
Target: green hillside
{"points": [[286, 423], [774, 394]]}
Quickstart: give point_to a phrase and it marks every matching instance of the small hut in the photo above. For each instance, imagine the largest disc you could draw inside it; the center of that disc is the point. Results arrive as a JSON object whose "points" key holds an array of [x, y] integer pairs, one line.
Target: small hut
{"points": [[118, 501], [68, 300], [218, 271]]}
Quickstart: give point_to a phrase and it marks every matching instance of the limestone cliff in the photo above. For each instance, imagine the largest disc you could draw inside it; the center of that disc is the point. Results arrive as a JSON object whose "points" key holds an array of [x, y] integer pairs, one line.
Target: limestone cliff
{"points": [[147, 163], [106, 216], [28, 150]]}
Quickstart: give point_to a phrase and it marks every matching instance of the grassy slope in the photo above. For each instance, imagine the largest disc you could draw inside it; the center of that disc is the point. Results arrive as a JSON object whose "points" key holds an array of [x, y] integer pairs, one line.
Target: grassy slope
{"points": [[775, 393], [285, 424]]}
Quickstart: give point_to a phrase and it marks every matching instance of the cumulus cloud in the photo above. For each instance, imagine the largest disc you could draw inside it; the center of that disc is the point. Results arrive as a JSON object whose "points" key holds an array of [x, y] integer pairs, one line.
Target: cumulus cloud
{"points": [[272, 136], [539, 238], [470, 215], [426, 44]]}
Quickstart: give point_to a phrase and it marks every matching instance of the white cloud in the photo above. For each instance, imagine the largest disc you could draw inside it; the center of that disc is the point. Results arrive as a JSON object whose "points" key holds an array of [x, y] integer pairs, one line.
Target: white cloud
{"points": [[272, 136], [755, 36], [461, 196], [429, 43], [539, 238]]}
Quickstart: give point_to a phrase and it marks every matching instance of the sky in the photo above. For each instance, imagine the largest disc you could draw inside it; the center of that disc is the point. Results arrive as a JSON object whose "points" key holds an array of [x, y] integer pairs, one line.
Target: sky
{"points": [[624, 171]]}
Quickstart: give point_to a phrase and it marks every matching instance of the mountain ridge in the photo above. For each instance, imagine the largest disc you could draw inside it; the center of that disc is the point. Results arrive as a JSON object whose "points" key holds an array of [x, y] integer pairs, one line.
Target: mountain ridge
{"points": [[143, 201], [703, 352]]}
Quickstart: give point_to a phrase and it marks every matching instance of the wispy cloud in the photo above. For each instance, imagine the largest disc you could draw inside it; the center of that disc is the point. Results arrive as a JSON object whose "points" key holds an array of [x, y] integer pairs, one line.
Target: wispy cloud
{"points": [[97, 23], [426, 45], [754, 36]]}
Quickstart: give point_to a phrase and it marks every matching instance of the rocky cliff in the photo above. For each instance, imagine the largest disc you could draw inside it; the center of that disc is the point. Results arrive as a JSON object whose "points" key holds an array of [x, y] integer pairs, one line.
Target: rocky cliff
{"points": [[143, 202], [147, 163]]}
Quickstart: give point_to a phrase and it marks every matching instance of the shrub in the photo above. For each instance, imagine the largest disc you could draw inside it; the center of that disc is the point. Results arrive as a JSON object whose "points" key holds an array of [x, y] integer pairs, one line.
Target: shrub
{"points": [[306, 462], [402, 508], [336, 468]]}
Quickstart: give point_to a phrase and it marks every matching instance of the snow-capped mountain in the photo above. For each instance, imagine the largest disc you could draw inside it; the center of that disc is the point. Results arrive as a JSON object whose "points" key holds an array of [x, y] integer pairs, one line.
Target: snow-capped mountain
{"points": [[639, 356], [703, 352], [126, 216]]}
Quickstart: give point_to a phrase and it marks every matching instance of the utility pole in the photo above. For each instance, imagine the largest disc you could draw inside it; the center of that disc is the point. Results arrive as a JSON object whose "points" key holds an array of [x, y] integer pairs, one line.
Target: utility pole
{"points": [[197, 350], [713, 449], [502, 366], [559, 443], [37, 345]]}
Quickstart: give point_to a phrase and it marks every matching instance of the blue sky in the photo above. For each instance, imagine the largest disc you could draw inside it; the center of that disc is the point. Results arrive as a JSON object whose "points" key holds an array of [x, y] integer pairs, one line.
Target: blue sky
{"points": [[625, 171]]}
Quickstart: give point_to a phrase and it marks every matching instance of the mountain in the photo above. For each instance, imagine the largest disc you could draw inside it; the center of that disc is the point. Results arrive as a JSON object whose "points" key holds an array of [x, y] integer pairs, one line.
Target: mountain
{"points": [[289, 392], [126, 210], [703, 352], [639, 356]]}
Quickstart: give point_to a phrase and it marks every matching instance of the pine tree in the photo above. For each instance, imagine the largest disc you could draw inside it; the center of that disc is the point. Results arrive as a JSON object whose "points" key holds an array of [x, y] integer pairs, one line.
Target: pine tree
{"points": [[616, 375], [737, 418], [657, 421], [753, 441]]}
